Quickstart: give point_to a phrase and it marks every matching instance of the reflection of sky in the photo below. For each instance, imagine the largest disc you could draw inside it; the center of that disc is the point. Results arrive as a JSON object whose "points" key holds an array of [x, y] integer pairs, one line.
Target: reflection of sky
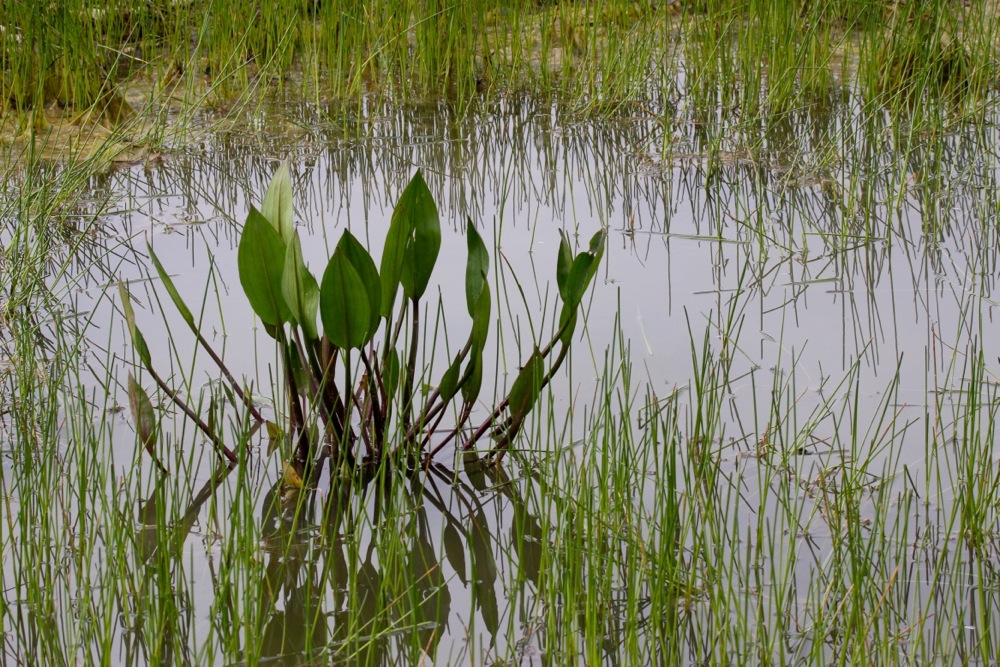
{"points": [[814, 259], [808, 266]]}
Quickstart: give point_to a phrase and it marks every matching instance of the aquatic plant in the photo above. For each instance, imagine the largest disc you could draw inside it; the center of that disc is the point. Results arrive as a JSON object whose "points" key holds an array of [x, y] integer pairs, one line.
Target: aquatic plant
{"points": [[356, 394]]}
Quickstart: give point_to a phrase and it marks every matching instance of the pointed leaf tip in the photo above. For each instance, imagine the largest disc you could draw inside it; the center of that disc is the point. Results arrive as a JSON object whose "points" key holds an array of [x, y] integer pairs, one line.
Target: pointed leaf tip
{"points": [[277, 207]]}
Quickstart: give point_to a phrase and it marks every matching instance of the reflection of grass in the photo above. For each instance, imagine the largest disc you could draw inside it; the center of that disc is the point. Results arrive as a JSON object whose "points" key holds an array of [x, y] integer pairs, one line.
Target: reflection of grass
{"points": [[657, 528], [801, 526]]}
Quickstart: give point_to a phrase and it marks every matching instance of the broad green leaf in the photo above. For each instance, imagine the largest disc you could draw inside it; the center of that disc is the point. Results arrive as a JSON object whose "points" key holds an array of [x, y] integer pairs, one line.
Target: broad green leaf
{"points": [[274, 331], [392, 258], [524, 392], [171, 289], [138, 341], [277, 204], [476, 268], [480, 329], [472, 386], [597, 243], [563, 264], [581, 272], [261, 261], [597, 250], [449, 381], [481, 319], [424, 240], [365, 266], [299, 289], [145, 419], [579, 276], [568, 314], [343, 303]]}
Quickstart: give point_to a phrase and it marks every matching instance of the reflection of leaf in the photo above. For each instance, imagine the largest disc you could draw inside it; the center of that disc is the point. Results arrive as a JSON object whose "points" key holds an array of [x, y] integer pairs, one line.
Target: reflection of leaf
{"points": [[482, 555], [145, 419], [454, 549], [484, 568], [433, 598]]}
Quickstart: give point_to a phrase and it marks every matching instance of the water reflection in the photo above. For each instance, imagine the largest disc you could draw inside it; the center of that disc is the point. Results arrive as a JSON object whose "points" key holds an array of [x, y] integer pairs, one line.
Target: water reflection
{"points": [[830, 270], [368, 574]]}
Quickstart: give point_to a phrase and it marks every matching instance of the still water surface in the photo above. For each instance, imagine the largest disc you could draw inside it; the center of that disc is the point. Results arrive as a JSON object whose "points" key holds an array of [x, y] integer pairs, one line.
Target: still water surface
{"points": [[842, 274]]}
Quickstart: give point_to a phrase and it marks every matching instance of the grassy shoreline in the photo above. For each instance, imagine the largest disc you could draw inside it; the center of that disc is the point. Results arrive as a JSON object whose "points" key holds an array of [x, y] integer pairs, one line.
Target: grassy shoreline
{"points": [[751, 61]]}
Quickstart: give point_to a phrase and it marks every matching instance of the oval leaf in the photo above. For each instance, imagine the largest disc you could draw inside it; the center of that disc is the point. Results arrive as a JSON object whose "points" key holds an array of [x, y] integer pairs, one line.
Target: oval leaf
{"points": [[481, 319], [474, 382], [261, 261], [448, 386], [299, 289], [424, 240], [578, 279], [392, 259], [476, 268], [277, 204], [597, 250], [563, 264], [528, 384], [343, 304], [365, 266]]}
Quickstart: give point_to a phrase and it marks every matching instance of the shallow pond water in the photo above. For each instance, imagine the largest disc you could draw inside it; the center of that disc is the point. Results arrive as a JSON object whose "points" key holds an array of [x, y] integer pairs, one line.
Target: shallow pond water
{"points": [[810, 310]]}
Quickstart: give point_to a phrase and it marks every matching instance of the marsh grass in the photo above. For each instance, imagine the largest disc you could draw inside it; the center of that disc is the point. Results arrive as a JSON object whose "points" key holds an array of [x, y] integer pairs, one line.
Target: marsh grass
{"points": [[799, 526], [650, 532], [749, 61]]}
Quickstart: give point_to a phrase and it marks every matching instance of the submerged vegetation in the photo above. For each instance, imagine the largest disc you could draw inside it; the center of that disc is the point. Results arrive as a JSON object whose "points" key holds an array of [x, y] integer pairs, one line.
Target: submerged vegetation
{"points": [[750, 419]]}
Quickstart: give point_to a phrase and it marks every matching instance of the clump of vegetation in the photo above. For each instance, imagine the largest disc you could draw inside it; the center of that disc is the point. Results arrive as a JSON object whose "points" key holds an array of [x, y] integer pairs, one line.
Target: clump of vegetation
{"points": [[358, 391]]}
